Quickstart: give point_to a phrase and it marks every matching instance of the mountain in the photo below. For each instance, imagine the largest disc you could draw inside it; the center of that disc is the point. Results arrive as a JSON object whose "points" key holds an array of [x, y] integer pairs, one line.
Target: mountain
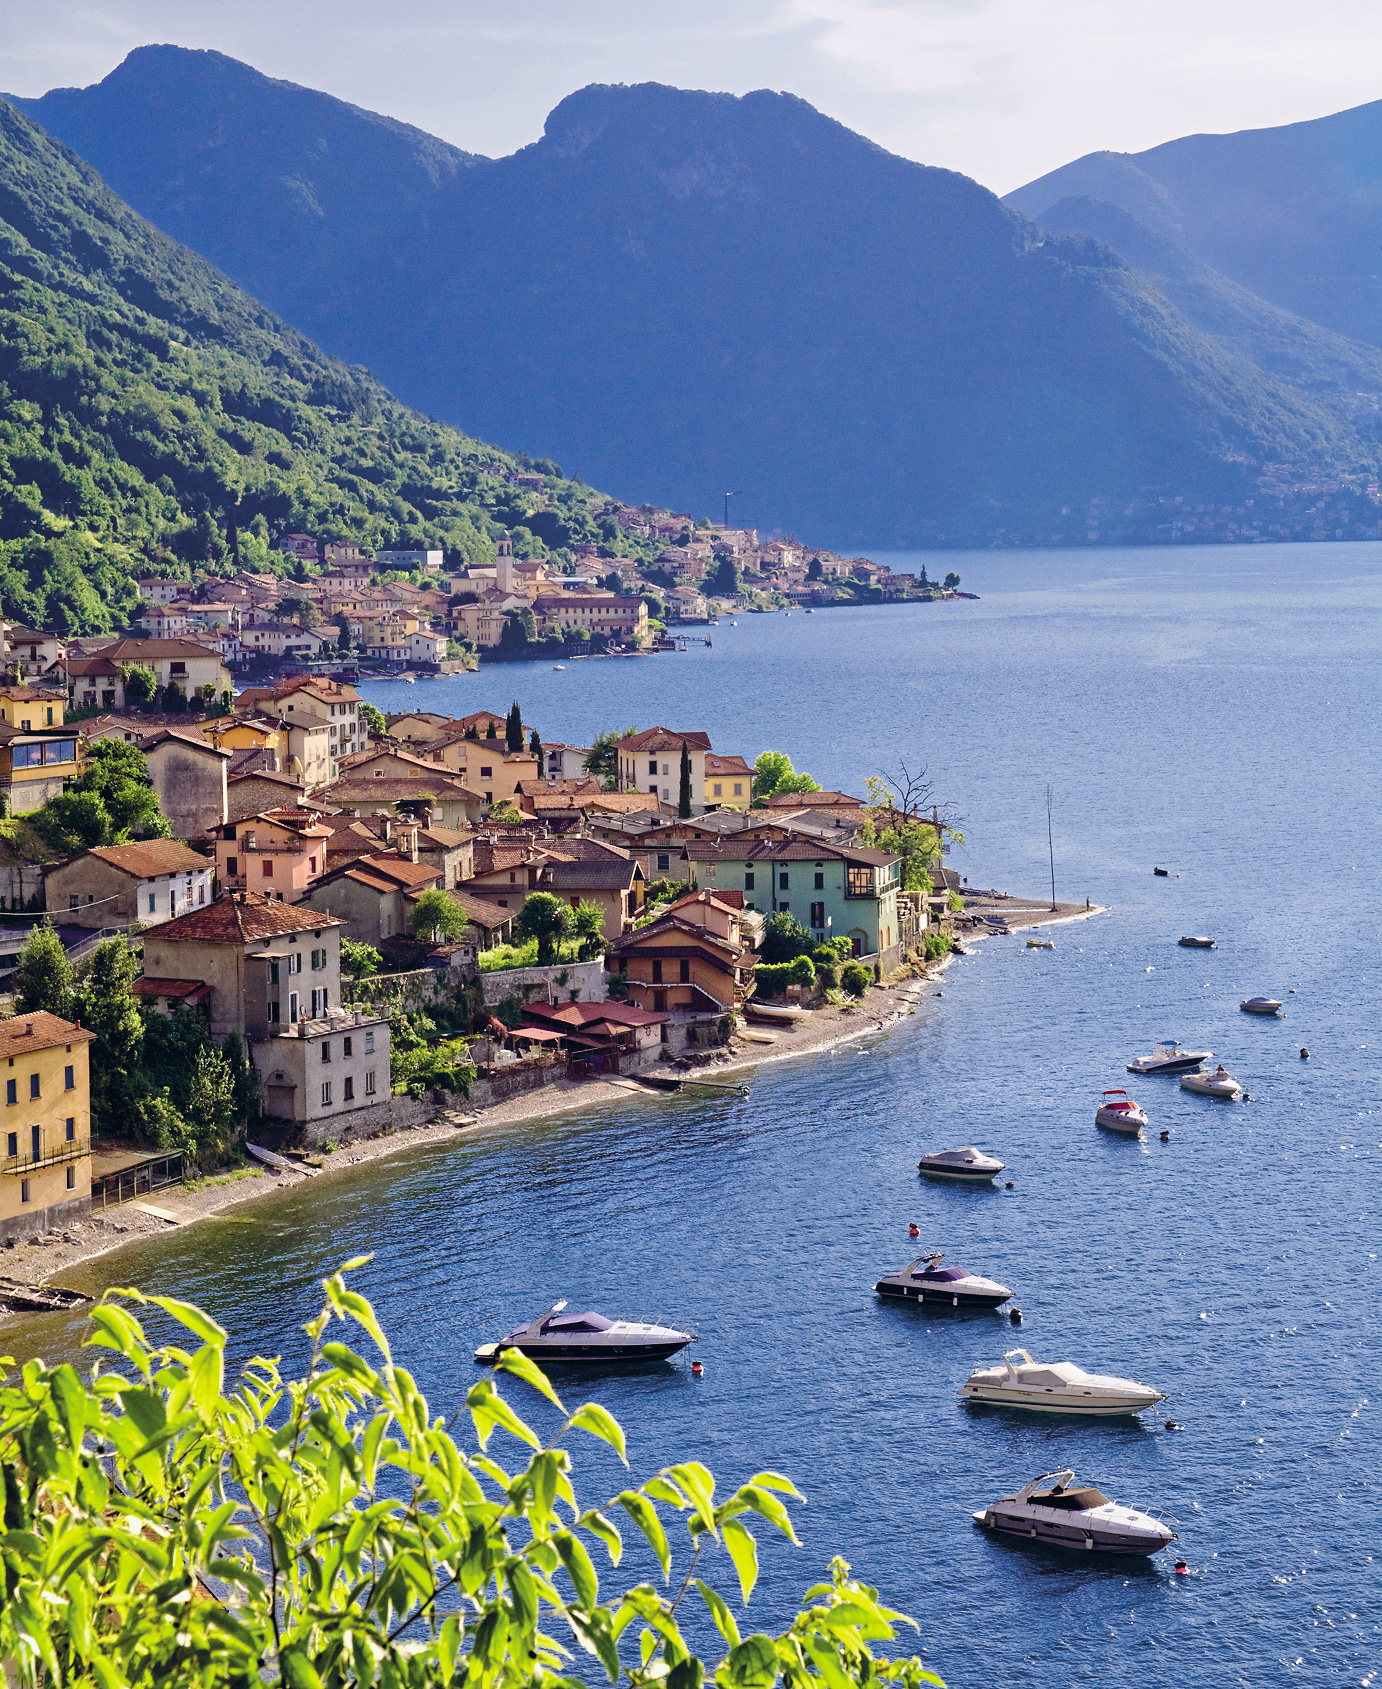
{"points": [[1291, 213], [683, 292], [152, 414], [1239, 321]]}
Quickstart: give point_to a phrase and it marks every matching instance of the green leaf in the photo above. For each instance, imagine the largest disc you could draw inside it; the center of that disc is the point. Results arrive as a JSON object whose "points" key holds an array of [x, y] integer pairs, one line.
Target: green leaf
{"points": [[743, 1550], [686, 1674], [753, 1664], [775, 1481], [724, 1619], [608, 1533], [699, 1487], [766, 1504], [298, 1669], [70, 1400], [578, 1567], [644, 1515], [192, 1317], [594, 1419], [206, 1375], [523, 1366]]}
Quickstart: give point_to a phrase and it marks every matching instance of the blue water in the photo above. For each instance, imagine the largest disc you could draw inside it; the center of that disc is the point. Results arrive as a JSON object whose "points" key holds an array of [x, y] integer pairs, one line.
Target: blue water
{"points": [[1212, 711]]}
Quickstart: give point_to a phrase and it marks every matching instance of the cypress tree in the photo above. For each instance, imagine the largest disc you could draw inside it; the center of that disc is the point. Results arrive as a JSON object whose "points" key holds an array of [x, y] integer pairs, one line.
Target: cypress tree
{"points": [[491, 732], [535, 746], [513, 731], [684, 795]]}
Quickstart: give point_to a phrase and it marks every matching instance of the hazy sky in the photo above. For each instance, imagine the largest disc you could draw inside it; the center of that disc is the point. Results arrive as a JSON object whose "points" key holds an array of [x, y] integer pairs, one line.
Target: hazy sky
{"points": [[1003, 90]]}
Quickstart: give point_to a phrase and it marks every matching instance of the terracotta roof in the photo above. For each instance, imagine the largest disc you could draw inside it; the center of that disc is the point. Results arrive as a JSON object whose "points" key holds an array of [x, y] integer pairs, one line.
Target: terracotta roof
{"points": [[143, 987], [139, 650], [812, 800], [151, 857], [627, 803], [584, 1014], [661, 739], [388, 789], [39, 1031], [396, 871], [581, 785], [716, 764], [77, 666], [242, 918]]}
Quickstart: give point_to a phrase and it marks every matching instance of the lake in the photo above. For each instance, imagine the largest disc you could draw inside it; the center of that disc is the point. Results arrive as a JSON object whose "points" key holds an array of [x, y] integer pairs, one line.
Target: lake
{"points": [[1211, 711]]}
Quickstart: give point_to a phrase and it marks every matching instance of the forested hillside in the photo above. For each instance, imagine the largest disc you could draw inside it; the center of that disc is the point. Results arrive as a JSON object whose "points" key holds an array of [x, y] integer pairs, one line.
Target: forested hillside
{"points": [[153, 416], [676, 293]]}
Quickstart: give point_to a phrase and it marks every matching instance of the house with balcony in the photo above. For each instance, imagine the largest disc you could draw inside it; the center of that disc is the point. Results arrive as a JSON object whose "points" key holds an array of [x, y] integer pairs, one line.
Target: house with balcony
{"points": [[332, 704], [45, 1125], [694, 958], [180, 662], [278, 853], [39, 755], [28, 651], [94, 683], [150, 881]]}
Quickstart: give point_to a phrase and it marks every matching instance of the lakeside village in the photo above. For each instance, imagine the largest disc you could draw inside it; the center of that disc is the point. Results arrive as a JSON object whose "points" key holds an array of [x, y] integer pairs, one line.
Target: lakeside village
{"points": [[296, 922], [338, 609]]}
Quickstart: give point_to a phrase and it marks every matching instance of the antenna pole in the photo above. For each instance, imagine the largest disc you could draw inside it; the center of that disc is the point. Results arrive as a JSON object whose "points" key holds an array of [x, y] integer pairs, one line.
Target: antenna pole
{"points": [[1051, 848]]}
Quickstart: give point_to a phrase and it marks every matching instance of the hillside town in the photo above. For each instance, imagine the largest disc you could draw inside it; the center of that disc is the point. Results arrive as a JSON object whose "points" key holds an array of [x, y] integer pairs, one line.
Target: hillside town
{"points": [[355, 911]]}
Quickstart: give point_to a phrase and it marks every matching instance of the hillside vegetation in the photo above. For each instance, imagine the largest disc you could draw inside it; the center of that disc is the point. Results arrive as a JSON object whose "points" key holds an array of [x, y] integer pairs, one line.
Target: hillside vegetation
{"points": [[154, 417], [678, 292]]}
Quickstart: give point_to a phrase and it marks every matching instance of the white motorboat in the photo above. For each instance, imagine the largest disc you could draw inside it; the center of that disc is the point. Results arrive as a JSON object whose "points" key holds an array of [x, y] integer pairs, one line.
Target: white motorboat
{"points": [[559, 1336], [1219, 1084], [1168, 1057], [1052, 1510], [1055, 1387], [1198, 942], [558, 667], [1260, 1006], [926, 1280], [965, 1166], [1117, 1112]]}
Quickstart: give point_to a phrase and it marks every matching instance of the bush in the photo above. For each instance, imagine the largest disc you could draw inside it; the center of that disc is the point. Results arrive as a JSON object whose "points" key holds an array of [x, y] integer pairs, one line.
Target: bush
{"points": [[784, 939], [827, 967], [771, 979], [856, 979], [938, 944], [955, 903]]}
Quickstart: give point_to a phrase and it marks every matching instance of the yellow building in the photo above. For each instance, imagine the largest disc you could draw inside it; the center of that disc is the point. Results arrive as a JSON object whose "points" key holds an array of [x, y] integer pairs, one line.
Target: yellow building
{"points": [[233, 733], [45, 1133], [38, 755]]}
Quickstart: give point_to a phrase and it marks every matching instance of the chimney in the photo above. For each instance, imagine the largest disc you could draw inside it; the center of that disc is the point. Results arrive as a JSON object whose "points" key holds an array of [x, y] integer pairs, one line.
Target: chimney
{"points": [[388, 829]]}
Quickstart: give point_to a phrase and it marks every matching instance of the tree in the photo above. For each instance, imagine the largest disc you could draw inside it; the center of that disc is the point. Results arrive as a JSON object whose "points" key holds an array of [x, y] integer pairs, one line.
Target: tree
{"points": [[300, 610], [814, 570], [243, 1075], [506, 813], [211, 1108], [73, 822], [373, 718], [548, 920], [174, 699], [773, 773], [213, 1470], [361, 960], [519, 629], [923, 581], [603, 757], [438, 918], [588, 924], [117, 773], [535, 747], [684, 794], [784, 939], [109, 1008], [513, 729], [342, 633], [42, 980], [952, 582], [491, 731], [140, 685], [472, 732], [724, 578]]}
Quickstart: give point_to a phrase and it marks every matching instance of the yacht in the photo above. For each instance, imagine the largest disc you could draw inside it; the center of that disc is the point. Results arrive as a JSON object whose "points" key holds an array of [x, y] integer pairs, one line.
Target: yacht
{"points": [[926, 1280], [1198, 942], [557, 668], [965, 1166], [1051, 1509], [1260, 1006], [1119, 1113], [1220, 1084], [1055, 1387], [559, 1336], [1168, 1057]]}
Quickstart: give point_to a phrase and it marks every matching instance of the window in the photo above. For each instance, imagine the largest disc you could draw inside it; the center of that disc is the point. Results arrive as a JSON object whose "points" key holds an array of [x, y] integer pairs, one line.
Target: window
{"points": [[295, 962], [71, 1178], [69, 1079], [326, 1049], [859, 882], [12, 1144], [664, 861], [487, 774], [369, 1083], [177, 668], [818, 914], [659, 1002], [685, 970], [71, 1128], [348, 1091], [820, 882], [292, 1006], [369, 1043], [23, 1190], [748, 879], [11, 1090], [318, 1003], [738, 788], [716, 790], [232, 865], [36, 1142], [326, 1093], [73, 901], [201, 893], [657, 973], [273, 973], [33, 1085], [153, 897], [268, 868], [782, 882], [652, 766]]}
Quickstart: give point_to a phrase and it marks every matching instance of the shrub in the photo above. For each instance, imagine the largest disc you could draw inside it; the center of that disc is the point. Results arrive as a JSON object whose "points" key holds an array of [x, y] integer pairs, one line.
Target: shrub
{"points": [[938, 944], [772, 978], [955, 903], [784, 939], [827, 967], [856, 979]]}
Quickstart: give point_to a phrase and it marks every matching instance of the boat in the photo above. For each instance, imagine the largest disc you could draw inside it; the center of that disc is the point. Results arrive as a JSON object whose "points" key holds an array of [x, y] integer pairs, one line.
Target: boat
{"points": [[1056, 1387], [1260, 1006], [774, 1014], [926, 1280], [559, 1336], [38, 1298], [1041, 944], [1219, 1084], [1052, 1510], [1162, 873], [557, 668], [1119, 1113], [964, 1166], [1197, 942], [1168, 1057]]}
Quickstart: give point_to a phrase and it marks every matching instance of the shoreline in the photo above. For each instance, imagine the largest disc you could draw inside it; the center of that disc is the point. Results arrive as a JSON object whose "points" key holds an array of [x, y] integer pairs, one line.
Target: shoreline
{"points": [[177, 1206]]}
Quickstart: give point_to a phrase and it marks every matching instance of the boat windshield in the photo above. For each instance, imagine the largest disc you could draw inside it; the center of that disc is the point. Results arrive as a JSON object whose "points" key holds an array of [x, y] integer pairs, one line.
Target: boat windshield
{"points": [[1074, 1500], [576, 1322], [946, 1275]]}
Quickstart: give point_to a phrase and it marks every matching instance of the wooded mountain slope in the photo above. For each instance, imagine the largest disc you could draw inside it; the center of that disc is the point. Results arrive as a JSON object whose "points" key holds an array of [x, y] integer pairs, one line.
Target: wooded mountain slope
{"points": [[677, 293], [153, 413]]}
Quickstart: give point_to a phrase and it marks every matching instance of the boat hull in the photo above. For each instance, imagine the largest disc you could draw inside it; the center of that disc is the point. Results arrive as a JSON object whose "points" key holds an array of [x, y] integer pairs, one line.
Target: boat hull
{"points": [[985, 1176], [1072, 1533], [1125, 1125], [1058, 1402], [1180, 1065], [584, 1352], [939, 1297], [1196, 943], [1266, 1006], [1221, 1091]]}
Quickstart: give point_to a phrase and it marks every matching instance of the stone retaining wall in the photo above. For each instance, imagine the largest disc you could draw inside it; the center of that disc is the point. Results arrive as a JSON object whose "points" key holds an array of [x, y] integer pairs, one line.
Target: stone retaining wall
{"points": [[567, 982]]}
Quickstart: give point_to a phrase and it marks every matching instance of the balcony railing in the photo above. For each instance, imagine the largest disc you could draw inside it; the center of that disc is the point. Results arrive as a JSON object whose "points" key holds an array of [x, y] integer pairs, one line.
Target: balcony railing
{"points": [[70, 1149]]}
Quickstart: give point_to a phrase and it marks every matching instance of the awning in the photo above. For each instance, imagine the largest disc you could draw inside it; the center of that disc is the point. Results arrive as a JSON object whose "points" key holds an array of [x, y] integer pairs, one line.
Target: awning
{"points": [[537, 1035]]}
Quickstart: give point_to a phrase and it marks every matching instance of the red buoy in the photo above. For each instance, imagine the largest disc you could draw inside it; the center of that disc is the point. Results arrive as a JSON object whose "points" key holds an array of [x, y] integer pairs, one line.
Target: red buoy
{"points": [[696, 1369], [1182, 1568], [912, 1231]]}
